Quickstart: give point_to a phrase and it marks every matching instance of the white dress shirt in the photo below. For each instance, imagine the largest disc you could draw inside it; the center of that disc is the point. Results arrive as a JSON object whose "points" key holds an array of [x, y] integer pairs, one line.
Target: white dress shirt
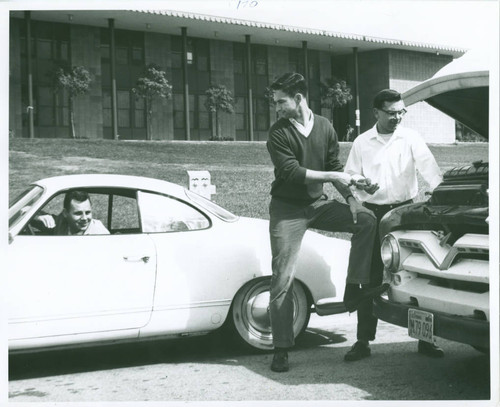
{"points": [[305, 130], [392, 164]]}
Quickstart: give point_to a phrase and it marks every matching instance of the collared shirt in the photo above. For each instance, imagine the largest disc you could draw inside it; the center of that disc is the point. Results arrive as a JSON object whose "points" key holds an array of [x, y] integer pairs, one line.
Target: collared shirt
{"points": [[304, 130], [95, 227], [393, 165]]}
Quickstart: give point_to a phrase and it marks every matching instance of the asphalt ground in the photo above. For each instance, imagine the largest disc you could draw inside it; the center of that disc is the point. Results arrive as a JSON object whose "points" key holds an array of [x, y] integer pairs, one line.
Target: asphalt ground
{"points": [[209, 369]]}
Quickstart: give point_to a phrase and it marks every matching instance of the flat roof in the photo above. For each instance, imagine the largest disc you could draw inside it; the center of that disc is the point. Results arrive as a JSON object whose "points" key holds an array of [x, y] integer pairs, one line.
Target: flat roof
{"points": [[230, 29]]}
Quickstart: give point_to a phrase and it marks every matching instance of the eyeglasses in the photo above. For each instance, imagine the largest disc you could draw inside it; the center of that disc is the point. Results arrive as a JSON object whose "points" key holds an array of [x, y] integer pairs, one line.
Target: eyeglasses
{"points": [[394, 113]]}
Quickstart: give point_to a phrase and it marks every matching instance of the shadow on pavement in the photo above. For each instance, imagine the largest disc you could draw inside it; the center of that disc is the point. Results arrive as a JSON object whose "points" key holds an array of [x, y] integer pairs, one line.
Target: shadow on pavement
{"points": [[395, 371], [198, 349]]}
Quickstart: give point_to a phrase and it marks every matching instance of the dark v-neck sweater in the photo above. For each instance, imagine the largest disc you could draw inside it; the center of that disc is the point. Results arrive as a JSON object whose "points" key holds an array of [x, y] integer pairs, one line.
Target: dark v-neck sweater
{"points": [[292, 153]]}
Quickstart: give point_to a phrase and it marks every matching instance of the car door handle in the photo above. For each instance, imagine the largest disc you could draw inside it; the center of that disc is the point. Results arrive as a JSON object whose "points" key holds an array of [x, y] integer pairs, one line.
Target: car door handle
{"points": [[145, 259]]}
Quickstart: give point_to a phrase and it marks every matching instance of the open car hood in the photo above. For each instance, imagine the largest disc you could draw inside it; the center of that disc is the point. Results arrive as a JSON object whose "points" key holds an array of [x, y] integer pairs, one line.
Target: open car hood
{"points": [[460, 89]]}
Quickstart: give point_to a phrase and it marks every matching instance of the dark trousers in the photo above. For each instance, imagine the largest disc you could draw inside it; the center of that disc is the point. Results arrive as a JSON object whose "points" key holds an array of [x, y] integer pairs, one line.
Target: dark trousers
{"points": [[367, 323], [287, 226]]}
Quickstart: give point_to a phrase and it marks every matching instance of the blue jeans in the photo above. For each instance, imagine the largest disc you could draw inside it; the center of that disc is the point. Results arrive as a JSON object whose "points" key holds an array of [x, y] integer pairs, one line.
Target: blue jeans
{"points": [[288, 224]]}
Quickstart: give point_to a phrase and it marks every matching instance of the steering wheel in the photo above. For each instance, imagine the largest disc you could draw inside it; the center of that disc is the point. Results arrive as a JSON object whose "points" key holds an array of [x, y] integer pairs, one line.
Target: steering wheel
{"points": [[31, 230]]}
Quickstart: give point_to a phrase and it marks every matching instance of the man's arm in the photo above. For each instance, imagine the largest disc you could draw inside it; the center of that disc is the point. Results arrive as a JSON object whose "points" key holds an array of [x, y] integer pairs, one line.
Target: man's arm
{"points": [[343, 188], [288, 168], [354, 167], [44, 221], [338, 177], [426, 163], [285, 163]]}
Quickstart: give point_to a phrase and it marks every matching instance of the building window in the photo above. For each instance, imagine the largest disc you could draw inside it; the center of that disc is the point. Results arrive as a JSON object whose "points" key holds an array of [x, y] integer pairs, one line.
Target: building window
{"points": [[203, 115], [296, 60], [50, 51], [178, 99], [239, 112], [261, 114], [130, 64], [259, 59]]}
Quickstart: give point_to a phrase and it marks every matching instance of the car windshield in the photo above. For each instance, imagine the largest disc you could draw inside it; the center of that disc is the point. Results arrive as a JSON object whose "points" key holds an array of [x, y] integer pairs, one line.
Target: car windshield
{"points": [[23, 203], [212, 207]]}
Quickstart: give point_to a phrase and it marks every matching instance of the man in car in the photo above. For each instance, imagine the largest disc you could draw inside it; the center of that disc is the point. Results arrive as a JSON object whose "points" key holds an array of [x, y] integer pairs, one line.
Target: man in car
{"points": [[75, 218], [390, 156], [304, 151]]}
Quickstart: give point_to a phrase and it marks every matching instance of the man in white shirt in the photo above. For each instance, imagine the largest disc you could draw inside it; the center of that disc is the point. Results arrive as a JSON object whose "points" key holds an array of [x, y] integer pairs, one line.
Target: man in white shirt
{"points": [[390, 156]]}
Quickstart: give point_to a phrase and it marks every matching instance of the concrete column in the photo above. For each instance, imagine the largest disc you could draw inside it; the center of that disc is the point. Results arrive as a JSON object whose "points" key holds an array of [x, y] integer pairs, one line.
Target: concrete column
{"points": [[249, 88], [185, 83], [306, 65], [27, 15], [114, 108], [356, 84]]}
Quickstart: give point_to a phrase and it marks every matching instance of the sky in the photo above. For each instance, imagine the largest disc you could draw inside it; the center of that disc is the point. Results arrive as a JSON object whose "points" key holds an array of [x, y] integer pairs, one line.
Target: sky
{"points": [[464, 24], [461, 23]]}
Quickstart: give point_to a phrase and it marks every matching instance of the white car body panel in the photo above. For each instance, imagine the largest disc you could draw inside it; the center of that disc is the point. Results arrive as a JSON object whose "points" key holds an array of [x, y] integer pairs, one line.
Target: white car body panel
{"points": [[62, 285]]}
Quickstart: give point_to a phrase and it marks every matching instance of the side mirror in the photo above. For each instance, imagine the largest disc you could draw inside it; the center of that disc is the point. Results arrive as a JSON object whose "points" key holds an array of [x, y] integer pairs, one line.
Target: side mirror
{"points": [[11, 238]]}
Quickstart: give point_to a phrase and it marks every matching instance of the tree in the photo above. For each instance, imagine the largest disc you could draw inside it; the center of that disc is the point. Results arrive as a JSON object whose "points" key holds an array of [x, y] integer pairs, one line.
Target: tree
{"points": [[150, 87], [335, 93], [76, 82], [219, 99], [269, 96]]}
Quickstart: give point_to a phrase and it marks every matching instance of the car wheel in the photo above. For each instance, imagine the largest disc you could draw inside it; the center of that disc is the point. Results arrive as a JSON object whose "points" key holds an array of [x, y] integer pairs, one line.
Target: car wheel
{"points": [[250, 318]]}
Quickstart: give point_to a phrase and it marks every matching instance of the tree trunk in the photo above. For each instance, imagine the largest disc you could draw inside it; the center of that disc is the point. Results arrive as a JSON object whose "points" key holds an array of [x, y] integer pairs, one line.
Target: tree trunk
{"points": [[217, 124], [149, 118], [72, 118]]}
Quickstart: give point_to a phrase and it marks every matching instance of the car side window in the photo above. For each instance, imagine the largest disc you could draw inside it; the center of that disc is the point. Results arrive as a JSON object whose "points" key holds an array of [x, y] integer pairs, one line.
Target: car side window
{"points": [[125, 216], [160, 213]]}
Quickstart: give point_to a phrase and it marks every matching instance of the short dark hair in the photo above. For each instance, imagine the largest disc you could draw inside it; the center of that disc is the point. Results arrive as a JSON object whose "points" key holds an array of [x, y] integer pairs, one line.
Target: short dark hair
{"points": [[290, 83], [77, 195], [386, 95]]}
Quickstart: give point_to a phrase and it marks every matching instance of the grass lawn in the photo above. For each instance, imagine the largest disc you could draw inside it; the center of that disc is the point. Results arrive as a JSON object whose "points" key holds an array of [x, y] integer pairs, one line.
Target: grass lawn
{"points": [[241, 171]]}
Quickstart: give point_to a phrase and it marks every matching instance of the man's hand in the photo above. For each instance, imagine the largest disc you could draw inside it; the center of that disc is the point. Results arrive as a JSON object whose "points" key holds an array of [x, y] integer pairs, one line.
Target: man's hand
{"points": [[47, 221], [356, 208], [365, 184], [342, 177]]}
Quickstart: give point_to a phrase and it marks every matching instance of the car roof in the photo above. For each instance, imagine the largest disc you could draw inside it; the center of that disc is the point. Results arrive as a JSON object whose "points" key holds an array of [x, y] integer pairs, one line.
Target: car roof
{"points": [[108, 180], [460, 89]]}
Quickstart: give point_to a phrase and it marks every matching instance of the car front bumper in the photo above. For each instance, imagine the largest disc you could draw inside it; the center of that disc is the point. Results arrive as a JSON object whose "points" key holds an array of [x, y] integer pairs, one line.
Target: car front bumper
{"points": [[453, 327]]}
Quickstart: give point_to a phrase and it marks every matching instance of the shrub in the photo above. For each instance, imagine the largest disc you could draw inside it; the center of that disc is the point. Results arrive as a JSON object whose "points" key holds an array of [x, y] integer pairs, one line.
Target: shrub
{"points": [[76, 82], [150, 87]]}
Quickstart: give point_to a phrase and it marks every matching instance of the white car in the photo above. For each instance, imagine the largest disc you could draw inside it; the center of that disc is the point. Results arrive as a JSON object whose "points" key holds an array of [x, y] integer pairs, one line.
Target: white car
{"points": [[436, 253], [174, 264]]}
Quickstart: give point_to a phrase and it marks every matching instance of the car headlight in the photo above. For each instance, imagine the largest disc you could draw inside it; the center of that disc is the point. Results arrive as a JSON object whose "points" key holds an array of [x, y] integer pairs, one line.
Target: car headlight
{"points": [[390, 253]]}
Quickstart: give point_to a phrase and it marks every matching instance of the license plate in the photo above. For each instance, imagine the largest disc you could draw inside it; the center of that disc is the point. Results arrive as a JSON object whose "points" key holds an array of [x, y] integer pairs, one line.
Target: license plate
{"points": [[421, 325]]}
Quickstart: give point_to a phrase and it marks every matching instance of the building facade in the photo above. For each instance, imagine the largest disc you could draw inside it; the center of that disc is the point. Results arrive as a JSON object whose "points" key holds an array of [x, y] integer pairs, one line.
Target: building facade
{"points": [[196, 52]]}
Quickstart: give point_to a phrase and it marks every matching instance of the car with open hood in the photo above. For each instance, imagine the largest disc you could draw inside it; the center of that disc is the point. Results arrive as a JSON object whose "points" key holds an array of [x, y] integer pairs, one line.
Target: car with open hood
{"points": [[436, 253]]}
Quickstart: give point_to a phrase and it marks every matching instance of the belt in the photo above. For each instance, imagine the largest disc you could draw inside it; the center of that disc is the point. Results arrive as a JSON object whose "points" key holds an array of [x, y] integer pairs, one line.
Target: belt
{"points": [[386, 206]]}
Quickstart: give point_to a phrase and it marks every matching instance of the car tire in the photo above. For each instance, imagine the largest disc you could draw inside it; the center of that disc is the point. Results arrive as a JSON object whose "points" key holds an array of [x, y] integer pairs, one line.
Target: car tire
{"points": [[249, 317]]}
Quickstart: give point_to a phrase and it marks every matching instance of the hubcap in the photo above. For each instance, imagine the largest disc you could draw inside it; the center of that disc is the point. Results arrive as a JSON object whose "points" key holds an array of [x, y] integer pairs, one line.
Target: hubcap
{"points": [[256, 315]]}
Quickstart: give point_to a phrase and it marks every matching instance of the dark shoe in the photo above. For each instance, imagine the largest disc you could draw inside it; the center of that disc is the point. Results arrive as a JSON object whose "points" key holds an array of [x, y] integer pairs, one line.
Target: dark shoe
{"points": [[430, 349], [353, 299], [358, 351], [280, 361]]}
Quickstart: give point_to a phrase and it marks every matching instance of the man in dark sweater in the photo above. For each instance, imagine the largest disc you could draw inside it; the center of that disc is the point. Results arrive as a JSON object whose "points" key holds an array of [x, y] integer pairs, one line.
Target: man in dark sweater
{"points": [[304, 150]]}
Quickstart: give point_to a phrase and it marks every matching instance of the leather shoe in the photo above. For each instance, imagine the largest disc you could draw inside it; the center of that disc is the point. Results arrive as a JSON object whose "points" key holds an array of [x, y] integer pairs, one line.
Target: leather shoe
{"points": [[430, 349], [280, 361], [352, 302], [358, 351]]}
